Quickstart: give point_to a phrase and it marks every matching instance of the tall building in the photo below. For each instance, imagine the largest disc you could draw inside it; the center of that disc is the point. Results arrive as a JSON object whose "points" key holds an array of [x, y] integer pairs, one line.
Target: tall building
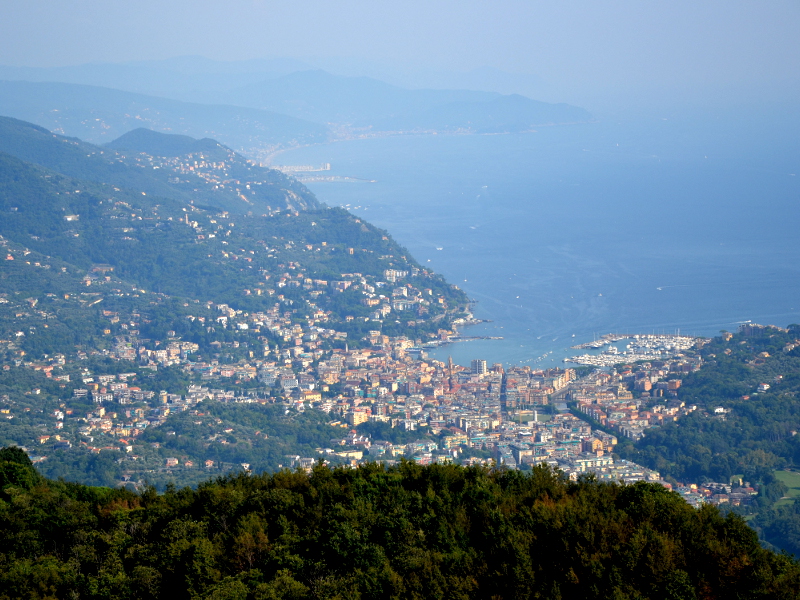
{"points": [[449, 373], [479, 367]]}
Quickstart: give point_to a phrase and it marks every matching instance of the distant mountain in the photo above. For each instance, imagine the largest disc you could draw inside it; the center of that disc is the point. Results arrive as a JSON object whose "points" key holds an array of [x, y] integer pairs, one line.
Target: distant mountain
{"points": [[99, 115], [185, 78], [365, 102], [260, 112], [200, 79], [325, 98], [221, 177]]}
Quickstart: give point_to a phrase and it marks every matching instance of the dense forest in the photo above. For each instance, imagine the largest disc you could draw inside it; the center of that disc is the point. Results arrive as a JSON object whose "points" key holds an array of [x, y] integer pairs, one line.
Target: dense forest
{"points": [[440, 531]]}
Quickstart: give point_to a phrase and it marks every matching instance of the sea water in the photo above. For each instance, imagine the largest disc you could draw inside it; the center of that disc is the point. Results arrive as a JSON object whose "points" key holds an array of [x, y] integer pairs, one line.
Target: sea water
{"points": [[630, 225]]}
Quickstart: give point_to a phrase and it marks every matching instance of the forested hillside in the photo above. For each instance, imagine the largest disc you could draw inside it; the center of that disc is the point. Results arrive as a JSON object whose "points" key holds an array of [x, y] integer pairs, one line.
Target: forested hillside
{"points": [[176, 294], [73, 234], [406, 532], [745, 427], [756, 430]]}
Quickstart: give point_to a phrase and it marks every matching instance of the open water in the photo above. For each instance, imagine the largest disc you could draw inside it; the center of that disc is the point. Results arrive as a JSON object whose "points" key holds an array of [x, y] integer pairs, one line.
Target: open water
{"points": [[649, 224]]}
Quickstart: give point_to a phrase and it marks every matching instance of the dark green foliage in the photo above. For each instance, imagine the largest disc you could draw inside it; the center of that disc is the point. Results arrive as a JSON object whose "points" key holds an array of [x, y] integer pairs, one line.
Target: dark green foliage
{"points": [[74, 465], [16, 455], [406, 532], [16, 469], [781, 526]]}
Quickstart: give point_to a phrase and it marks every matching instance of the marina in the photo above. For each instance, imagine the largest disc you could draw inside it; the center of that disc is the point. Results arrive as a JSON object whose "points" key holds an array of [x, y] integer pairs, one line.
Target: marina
{"points": [[641, 347], [331, 178]]}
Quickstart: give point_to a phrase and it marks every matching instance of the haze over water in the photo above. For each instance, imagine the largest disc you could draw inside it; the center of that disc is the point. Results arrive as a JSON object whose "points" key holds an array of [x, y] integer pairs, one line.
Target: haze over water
{"points": [[657, 223]]}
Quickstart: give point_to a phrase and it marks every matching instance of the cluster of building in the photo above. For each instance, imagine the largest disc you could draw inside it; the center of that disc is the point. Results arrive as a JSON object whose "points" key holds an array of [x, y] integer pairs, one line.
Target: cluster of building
{"points": [[515, 417], [461, 414], [716, 493], [216, 168], [635, 397], [477, 413], [562, 441]]}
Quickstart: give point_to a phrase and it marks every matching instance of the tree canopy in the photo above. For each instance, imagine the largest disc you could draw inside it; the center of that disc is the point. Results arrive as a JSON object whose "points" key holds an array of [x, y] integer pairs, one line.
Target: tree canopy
{"points": [[440, 531]]}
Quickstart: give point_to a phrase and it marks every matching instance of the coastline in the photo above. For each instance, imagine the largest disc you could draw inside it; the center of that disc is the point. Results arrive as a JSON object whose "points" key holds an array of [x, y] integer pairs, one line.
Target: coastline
{"points": [[265, 160]]}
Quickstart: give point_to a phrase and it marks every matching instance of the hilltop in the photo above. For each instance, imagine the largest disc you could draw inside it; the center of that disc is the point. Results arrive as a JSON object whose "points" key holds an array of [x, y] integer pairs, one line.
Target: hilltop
{"points": [[154, 143]]}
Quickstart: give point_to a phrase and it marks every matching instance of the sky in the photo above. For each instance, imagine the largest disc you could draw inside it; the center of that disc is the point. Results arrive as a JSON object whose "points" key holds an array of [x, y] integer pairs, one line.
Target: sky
{"points": [[575, 49]]}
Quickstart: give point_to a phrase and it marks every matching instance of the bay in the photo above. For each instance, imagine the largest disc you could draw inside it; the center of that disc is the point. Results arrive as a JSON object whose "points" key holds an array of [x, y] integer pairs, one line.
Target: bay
{"points": [[657, 223]]}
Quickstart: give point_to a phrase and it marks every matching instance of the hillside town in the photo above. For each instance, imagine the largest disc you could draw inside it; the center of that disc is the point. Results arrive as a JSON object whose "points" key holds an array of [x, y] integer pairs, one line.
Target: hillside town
{"points": [[634, 397]]}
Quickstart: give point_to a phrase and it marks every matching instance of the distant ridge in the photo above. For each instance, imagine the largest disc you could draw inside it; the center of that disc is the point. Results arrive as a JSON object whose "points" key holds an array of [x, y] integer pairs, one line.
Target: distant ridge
{"points": [[98, 115], [299, 108], [322, 97], [141, 167], [365, 102]]}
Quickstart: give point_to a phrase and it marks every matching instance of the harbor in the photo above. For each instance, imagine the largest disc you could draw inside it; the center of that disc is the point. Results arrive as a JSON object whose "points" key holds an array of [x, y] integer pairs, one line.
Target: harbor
{"points": [[640, 348], [312, 173]]}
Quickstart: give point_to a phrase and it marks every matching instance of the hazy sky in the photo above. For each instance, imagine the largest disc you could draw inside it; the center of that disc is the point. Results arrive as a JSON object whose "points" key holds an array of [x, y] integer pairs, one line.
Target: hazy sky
{"points": [[676, 47]]}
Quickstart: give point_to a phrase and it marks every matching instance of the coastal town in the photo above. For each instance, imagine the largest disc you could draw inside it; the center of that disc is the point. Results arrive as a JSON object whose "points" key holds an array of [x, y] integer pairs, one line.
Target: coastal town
{"points": [[515, 417]]}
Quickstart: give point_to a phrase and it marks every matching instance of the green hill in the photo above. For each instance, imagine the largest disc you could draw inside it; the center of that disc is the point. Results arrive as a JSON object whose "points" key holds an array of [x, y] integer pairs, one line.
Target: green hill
{"points": [[140, 253], [406, 532], [744, 428], [96, 276], [757, 432], [179, 249], [156, 143]]}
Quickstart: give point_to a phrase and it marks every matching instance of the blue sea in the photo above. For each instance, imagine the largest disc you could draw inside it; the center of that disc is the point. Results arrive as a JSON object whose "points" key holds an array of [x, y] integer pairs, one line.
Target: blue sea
{"points": [[663, 222]]}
